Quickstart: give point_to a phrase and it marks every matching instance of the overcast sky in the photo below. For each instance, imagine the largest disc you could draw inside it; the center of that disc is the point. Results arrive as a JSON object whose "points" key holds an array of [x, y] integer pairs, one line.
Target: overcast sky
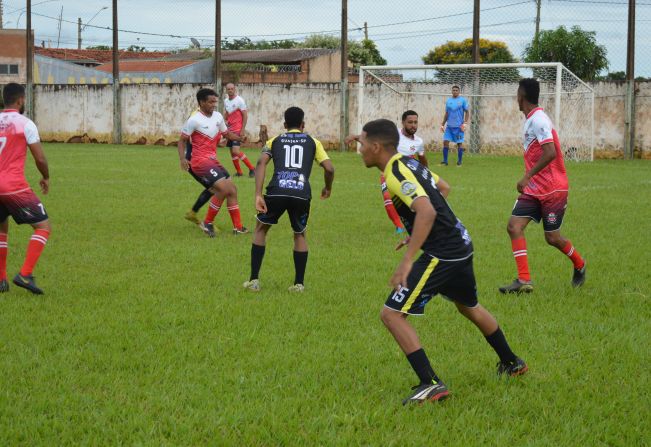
{"points": [[404, 31]]}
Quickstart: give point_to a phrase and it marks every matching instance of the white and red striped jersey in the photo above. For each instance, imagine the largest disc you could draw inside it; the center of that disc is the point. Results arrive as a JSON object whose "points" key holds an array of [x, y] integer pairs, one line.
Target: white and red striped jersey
{"points": [[16, 133], [538, 130], [235, 107], [204, 132]]}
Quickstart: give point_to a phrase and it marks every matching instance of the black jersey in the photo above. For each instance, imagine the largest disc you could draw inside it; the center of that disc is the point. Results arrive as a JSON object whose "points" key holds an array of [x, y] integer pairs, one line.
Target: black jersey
{"points": [[293, 154], [407, 180]]}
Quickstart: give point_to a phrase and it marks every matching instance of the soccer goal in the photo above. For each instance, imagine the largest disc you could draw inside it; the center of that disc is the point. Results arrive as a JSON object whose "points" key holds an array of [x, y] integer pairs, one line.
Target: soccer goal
{"points": [[495, 121]]}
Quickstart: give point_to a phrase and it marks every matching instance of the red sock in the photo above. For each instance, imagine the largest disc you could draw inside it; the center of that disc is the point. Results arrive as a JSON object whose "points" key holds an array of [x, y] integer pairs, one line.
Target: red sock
{"points": [[236, 163], [213, 208], [234, 211], [4, 248], [246, 161], [34, 250], [391, 210], [574, 255], [519, 247]]}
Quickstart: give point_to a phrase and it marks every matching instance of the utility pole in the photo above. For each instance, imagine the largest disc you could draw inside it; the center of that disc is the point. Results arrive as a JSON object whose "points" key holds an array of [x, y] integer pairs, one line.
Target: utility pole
{"points": [[117, 102], [30, 63], [219, 82], [343, 123], [79, 33], [535, 36], [365, 30], [1, 14], [475, 33], [629, 137], [60, 20], [475, 144]]}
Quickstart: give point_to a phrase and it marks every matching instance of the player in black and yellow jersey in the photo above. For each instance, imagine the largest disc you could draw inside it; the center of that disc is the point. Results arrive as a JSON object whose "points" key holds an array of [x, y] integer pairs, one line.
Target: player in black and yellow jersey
{"points": [[444, 267], [293, 154]]}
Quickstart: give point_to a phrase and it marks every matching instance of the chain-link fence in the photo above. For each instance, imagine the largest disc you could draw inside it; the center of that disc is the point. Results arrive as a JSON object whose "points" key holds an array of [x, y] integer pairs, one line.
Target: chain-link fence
{"points": [[277, 43]]}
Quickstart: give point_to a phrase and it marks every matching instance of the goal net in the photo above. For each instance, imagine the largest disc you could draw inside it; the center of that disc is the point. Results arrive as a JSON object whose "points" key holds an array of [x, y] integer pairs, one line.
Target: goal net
{"points": [[495, 120]]}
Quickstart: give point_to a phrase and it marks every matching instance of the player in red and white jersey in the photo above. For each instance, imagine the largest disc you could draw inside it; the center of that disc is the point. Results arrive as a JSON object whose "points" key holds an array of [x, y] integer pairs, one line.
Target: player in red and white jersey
{"points": [[236, 114], [17, 133], [543, 190], [204, 129]]}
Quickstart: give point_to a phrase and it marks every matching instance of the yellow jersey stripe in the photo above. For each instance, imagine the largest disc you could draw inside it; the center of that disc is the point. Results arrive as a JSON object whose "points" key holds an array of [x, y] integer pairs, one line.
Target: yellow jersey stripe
{"points": [[421, 283]]}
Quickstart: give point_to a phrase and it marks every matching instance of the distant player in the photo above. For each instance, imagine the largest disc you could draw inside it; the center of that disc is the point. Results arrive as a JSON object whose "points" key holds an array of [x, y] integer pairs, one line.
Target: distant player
{"points": [[204, 129], [236, 115], [293, 154], [445, 266], [412, 146], [454, 124], [17, 133], [543, 191]]}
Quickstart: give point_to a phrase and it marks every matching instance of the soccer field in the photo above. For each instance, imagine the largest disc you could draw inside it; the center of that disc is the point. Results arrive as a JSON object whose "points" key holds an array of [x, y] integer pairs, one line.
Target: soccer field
{"points": [[145, 336]]}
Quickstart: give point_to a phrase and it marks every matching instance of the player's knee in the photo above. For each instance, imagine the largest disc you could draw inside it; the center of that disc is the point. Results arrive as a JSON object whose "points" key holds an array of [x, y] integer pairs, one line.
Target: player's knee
{"points": [[553, 238], [388, 316], [45, 225]]}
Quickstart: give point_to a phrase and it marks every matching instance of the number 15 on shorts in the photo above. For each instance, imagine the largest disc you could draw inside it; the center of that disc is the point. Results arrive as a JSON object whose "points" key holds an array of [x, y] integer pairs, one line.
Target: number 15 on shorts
{"points": [[400, 294]]}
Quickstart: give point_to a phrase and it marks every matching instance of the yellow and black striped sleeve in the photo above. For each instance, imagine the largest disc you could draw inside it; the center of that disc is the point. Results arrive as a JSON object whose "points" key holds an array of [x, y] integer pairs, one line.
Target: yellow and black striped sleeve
{"points": [[268, 146], [402, 183]]}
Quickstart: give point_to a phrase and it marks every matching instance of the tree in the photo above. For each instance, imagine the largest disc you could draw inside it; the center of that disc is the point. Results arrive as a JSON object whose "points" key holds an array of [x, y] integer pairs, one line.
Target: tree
{"points": [[136, 49], [247, 44], [363, 52], [490, 52], [576, 49], [452, 52], [100, 47]]}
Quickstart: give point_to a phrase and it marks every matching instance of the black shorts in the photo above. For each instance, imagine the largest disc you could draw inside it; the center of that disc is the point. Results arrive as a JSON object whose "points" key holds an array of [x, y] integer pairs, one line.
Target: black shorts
{"points": [[549, 208], [233, 143], [25, 207], [454, 280], [209, 174], [298, 211]]}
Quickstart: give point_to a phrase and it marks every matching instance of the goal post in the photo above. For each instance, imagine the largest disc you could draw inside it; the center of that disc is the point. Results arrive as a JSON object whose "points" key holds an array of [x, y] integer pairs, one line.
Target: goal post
{"points": [[495, 121]]}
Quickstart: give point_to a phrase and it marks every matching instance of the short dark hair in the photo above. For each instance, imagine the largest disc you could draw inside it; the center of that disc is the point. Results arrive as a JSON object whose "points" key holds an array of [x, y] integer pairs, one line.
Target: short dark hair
{"points": [[531, 89], [204, 93], [294, 117], [408, 113], [456, 86], [383, 131], [12, 93]]}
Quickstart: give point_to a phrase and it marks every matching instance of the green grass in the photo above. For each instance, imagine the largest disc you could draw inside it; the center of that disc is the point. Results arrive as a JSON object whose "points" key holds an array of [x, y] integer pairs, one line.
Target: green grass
{"points": [[144, 336]]}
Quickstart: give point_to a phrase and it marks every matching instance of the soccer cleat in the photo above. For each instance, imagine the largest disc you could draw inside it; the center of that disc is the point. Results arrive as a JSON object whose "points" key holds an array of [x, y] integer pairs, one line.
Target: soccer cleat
{"points": [[242, 230], [512, 369], [253, 285], [207, 228], [192, 217], [238, 174], [27, 282], [579, 276], [4, 286], [297, 288], [518, 287], [432, 392], [458, 165], [443, 163], [251, 173]]}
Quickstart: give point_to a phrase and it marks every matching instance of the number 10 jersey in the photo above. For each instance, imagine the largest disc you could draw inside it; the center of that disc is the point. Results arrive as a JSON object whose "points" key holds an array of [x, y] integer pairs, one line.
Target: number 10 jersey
{"points": [[293, 154]]}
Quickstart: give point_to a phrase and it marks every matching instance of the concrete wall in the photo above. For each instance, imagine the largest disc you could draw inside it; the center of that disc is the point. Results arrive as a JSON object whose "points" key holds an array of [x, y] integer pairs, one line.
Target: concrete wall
{"points": [[154, 114]]}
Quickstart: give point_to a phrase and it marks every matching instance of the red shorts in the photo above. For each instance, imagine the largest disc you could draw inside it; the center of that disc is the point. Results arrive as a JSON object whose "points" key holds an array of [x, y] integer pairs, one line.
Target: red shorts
{"points": [[549, 208], [24, 206]]}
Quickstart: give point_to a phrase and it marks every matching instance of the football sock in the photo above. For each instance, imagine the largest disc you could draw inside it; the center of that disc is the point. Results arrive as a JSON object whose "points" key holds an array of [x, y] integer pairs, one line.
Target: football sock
{"points": [[213, 209], [445, 154], [236, 163], [391, 210], [246, 161], [34, 250], [460, 154], [4, 248], [203, 198], [519, 247], [498, 342], [234, 211], [257, 253], [421, 366], [300, 263], [574, 255]]}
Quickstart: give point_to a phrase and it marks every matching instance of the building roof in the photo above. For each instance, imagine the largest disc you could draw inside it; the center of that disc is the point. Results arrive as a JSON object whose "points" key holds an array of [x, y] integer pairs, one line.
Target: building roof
{"points": [[283, 56], [145, 66], [96, 56]]}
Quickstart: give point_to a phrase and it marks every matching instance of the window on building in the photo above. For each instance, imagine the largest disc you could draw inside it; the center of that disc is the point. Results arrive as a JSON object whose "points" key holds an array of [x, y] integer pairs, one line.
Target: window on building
{"points": [[8, 69]]}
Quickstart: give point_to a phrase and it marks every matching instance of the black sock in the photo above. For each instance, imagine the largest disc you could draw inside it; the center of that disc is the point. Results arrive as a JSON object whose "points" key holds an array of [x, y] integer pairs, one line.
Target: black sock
{"points": [[498, 342], [300, 262], [203, 198], [257, 253], [420, 363]]}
